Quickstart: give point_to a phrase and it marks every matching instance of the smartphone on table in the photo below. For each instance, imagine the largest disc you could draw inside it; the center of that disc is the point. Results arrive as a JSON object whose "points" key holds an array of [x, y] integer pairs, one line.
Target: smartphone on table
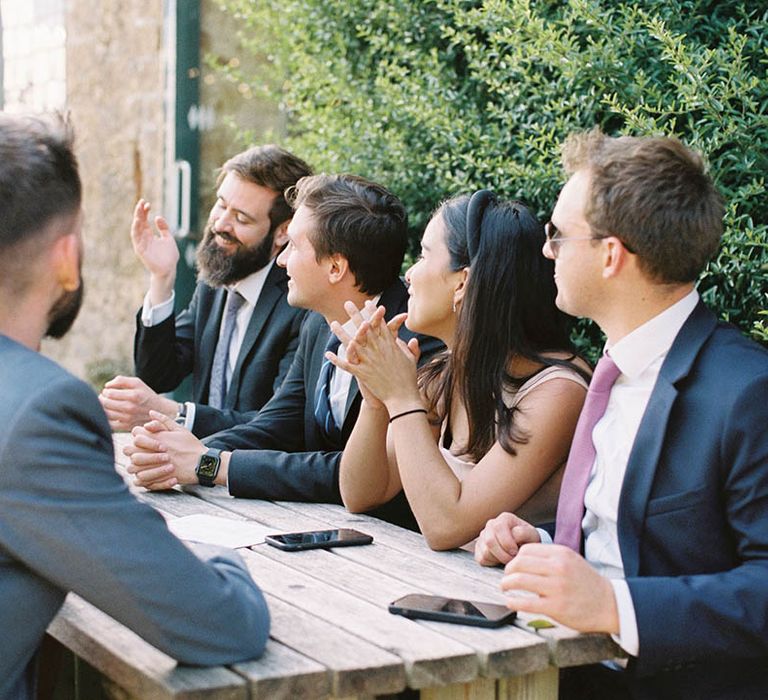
{"points": [[318, 539], [463, 612]]}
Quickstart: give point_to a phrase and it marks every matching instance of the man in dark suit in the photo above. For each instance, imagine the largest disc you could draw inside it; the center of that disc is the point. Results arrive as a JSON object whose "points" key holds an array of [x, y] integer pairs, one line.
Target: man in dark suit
{"points": [[347, 239], [238, 336], [662, 534], [67, 520]]}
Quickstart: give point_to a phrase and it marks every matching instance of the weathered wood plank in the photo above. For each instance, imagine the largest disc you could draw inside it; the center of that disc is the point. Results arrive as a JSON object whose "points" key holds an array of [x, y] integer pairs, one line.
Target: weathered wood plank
{"points": [[451, 573], [501, 652], [283, 674], [430, 658], [133, 664], [567, 647], [354, 666]]}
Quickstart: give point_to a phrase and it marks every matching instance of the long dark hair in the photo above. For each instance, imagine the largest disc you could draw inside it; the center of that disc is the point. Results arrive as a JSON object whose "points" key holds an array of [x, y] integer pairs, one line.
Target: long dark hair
{"points": [[508, 310]]}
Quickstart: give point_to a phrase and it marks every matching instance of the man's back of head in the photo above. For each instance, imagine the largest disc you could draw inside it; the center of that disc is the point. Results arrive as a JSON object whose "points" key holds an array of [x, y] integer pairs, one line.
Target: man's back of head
{"points": [[39, 183]]}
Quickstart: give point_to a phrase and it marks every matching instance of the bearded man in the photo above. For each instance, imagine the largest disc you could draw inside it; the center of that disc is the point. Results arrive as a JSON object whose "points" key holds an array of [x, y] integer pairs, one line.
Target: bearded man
{"points": [[238, 336]]}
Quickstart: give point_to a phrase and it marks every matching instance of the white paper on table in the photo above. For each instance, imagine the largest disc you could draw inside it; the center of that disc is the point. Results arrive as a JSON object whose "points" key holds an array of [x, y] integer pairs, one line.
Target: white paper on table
{"points": [[210, 529]]}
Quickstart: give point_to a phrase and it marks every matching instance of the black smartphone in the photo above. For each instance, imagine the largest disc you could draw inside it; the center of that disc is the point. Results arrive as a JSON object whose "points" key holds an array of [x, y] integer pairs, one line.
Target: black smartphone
{"points": [[462, 612], [318, 539]]}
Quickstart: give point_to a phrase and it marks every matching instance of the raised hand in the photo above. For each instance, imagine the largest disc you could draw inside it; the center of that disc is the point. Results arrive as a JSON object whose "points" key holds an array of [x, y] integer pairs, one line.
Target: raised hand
{"points": [[379, 360], [156, 249]]}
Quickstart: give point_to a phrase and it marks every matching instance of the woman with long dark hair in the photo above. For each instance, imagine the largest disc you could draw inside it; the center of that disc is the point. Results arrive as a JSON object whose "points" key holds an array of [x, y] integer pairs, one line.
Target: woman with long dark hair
{"points": [[485, 427]]}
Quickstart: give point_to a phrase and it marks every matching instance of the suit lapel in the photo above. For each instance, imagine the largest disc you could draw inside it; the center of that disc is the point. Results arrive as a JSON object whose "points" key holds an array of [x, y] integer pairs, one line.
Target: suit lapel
{"points": [[646, 450], [209, 338], [268, 298]]}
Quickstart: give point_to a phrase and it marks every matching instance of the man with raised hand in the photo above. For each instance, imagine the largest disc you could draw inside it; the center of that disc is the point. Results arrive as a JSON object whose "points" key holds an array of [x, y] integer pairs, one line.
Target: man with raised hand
{"points": [[238, 336], [661, 535], [346, 243], [67, 519]]}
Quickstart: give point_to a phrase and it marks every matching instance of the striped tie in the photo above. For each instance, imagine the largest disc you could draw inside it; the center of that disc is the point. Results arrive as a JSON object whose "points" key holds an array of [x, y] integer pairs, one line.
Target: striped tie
{"points": [[218, 385], [323, 412]]}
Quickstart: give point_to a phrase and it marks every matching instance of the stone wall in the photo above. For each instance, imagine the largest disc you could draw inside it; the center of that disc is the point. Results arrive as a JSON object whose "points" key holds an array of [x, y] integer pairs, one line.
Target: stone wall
{"points": [[115, 89], [115, 92]]}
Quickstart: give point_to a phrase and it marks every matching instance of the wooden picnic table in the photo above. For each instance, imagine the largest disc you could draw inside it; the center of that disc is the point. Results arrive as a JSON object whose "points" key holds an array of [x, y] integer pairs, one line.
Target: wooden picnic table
{"points": [[332, 635]]}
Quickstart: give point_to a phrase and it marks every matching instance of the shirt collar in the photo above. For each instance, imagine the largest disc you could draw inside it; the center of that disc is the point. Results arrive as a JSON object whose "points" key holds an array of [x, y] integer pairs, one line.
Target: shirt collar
{"points": [[250, 287], [635, 352]]}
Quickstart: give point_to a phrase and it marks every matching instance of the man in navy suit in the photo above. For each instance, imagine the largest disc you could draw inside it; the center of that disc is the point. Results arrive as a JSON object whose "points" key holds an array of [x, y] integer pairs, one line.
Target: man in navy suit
{"points": [[236, 365], [67, 519], [671, 524], [347, 239]]}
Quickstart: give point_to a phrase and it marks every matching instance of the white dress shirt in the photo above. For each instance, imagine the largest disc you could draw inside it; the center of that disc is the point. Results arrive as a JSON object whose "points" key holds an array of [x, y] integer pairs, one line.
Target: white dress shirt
{"points": [[249, 288], [639, 356], [341, 381]]}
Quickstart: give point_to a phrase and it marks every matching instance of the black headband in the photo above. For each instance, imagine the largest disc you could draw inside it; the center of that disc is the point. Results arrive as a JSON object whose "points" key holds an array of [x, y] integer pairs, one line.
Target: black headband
{"points": [[478, 203]]}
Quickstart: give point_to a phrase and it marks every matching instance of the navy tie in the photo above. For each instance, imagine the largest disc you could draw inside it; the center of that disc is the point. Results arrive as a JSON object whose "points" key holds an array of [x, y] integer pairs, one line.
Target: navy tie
{"points": [[323, 412], [218, 385]]}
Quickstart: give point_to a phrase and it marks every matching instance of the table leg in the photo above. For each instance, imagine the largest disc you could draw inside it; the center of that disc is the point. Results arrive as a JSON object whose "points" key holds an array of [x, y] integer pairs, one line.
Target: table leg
{"points": [[479, 689], [542, 685]]}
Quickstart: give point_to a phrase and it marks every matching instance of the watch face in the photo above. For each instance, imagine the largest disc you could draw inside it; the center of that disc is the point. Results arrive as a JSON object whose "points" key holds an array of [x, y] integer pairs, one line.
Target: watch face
{"points": [[208, 466]]}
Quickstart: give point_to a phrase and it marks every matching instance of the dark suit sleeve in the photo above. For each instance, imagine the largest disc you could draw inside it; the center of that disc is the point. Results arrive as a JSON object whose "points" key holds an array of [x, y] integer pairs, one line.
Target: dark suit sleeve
{"points": [[721, 613], [209, 420], [68, 516], [285, 476], [269, 455], [280, 423], [164, 354]]}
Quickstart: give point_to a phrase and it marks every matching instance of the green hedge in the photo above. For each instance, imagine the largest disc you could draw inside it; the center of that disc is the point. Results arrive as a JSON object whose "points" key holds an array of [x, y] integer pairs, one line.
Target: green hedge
{"points": [[436, 97]]}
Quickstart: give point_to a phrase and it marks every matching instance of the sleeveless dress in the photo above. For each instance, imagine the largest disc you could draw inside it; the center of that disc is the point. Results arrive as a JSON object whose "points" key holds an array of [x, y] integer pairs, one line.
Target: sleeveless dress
{"points": [[541, 506]]}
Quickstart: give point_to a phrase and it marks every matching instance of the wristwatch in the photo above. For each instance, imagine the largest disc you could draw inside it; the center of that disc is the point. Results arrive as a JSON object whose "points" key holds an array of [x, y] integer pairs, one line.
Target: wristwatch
{"points": [[208, 466]]}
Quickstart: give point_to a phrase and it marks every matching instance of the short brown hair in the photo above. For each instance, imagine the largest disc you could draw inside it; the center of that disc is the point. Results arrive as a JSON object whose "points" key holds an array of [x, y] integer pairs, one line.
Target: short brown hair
{"points": [[272, 167], [358, 219], [655, 195]]}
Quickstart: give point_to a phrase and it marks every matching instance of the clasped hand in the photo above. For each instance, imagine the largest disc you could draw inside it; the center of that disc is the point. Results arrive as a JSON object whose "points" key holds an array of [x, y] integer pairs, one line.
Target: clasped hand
{"points": [[163, 454], [564, 585], [383, 364]]}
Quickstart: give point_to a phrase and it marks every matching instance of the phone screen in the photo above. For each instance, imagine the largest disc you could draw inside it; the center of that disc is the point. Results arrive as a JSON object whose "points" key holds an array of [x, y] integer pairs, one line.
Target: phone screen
{"points": [[466, 612], [314, 539]]}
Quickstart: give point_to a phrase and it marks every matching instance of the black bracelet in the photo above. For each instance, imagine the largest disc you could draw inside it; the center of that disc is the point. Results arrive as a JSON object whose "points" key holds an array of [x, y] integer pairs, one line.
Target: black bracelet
{"points": [[407, 413]]}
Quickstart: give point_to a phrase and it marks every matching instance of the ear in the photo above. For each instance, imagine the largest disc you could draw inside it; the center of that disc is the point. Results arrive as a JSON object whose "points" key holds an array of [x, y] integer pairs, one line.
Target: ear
{"points": [[65, 253], [461, 285], [338, 268], [615, 256], [281, 237]]}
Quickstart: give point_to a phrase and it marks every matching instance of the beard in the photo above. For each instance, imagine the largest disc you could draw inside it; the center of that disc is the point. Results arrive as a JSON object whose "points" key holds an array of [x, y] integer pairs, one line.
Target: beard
{"points": [[64, 312], [217, 268]]}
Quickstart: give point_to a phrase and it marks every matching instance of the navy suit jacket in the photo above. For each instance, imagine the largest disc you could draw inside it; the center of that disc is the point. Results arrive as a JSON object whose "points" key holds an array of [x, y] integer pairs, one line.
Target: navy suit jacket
{"points": [[166, 353], [69, 523], [693, 519], [282, 454]]}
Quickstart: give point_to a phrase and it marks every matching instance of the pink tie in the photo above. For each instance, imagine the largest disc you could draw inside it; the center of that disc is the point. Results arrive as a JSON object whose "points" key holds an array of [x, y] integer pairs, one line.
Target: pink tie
{"points": [[570, 506]]}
